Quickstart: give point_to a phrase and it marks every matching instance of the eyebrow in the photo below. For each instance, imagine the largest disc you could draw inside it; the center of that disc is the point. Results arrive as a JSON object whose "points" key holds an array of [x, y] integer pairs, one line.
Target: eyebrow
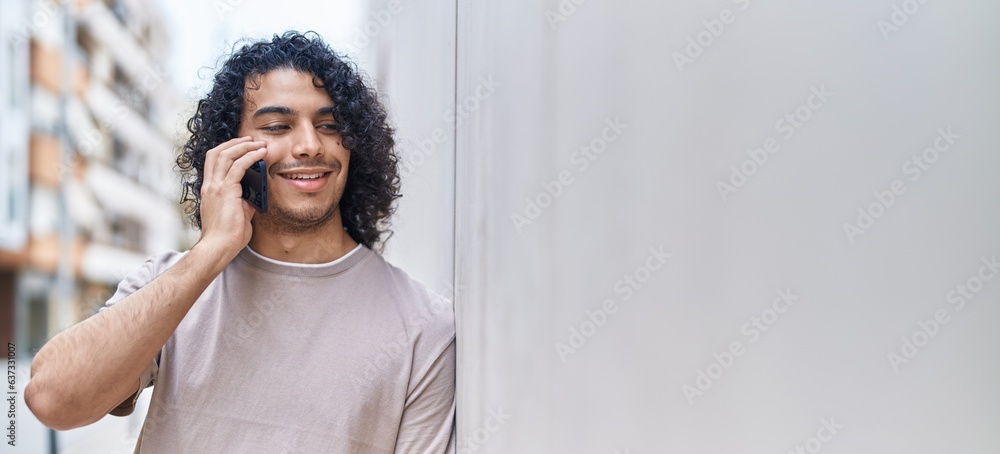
{"points": [[273, 109], [282, 110]]}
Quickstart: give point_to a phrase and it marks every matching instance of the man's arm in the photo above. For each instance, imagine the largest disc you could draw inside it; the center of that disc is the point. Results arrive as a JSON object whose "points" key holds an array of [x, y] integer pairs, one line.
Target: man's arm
{"points": [[86, 371]]}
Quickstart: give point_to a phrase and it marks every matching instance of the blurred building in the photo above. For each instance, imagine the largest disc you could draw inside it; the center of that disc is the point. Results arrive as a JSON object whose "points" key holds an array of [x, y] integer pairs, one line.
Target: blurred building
{"points": [[87, 147], [87, 182]]}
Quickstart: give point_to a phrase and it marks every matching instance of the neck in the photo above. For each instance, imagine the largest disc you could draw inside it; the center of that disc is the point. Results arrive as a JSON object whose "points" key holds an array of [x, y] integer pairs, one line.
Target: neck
{"points": [[324, 243]]}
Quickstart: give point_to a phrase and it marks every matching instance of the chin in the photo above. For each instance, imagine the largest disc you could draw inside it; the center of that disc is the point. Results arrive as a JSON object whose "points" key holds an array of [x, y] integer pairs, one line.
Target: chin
{"points": [[301, 217]]}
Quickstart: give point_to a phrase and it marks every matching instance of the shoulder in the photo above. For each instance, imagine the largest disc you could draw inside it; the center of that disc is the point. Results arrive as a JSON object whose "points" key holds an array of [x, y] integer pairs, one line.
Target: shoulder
{"points": [[154, 266], [162, 261], [422, 309]]}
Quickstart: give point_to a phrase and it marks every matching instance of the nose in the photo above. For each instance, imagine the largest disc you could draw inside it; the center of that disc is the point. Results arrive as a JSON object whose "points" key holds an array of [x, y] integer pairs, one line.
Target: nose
{"points": [[307, 144]]}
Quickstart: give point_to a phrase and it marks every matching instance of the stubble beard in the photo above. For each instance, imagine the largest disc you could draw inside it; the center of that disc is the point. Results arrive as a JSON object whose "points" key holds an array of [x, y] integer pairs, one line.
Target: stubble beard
{"points": [[280, 219]]}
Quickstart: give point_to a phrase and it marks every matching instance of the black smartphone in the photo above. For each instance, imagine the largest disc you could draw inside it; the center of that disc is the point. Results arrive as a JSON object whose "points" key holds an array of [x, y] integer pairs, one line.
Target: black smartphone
{"points": [[254, 184]]}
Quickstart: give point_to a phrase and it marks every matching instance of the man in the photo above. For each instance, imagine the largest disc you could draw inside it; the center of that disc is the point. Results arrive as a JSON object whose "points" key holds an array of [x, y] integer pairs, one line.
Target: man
{"points": [[280, 331]]}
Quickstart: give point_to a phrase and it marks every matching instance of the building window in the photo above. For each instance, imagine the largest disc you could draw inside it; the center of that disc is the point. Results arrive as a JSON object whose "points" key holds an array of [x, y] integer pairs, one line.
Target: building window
{"points": [[117, 7], [14, 89]]}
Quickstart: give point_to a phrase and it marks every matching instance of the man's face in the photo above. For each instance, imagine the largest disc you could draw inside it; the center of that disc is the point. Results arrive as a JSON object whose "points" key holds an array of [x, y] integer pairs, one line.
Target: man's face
{"points": [[306, 162]]}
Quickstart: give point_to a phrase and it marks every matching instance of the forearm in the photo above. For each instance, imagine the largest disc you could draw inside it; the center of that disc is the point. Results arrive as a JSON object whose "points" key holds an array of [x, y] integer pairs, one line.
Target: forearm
{"points": [[85, 371]]}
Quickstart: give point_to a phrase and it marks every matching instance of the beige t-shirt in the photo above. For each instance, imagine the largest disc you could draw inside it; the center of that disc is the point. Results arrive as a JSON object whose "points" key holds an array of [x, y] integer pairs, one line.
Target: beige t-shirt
{"points": [[351, 356]]}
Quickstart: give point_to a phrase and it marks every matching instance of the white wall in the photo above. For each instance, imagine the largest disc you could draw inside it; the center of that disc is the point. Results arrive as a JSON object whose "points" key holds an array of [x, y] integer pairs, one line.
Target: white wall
{"points": [[412, 59], [656, 184]]}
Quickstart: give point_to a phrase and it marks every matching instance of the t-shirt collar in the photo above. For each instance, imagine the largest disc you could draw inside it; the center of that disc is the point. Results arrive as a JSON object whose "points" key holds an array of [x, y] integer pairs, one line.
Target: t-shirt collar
{"points": [[253, 258]]}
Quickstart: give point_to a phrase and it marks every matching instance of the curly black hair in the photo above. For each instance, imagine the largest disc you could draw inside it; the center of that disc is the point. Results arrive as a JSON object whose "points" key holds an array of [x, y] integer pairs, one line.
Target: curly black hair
{"points": [[373, 174]]}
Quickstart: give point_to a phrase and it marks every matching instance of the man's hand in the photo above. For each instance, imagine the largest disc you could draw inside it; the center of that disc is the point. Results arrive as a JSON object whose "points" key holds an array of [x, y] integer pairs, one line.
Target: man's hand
{"points": [[225, 216]]}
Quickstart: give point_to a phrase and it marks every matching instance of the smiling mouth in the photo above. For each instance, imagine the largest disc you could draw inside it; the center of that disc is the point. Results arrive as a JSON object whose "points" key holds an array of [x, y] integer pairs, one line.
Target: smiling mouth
{"points": [[303, 176]]}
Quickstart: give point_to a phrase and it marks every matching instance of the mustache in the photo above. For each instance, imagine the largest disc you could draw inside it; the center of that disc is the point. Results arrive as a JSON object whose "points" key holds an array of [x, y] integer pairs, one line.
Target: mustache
{"points": [[329, 166]]}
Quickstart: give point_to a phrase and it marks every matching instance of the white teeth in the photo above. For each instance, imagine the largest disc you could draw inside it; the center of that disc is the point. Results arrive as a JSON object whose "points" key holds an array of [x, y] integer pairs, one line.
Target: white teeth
{"points": [[304, 176]]}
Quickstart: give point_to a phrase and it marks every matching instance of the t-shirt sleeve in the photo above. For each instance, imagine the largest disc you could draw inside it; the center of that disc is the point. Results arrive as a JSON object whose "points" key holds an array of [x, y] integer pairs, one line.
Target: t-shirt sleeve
{"points": [[150, 269], [428, 423]]}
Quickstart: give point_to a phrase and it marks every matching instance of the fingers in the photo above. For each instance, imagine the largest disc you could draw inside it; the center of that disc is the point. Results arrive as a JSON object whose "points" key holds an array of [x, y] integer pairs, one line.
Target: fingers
{"points": [[219, 160], [243, 163]]}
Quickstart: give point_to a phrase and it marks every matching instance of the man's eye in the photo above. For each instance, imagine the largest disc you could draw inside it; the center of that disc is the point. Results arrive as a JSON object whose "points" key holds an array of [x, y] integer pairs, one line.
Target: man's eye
{"points": [[274, 128], [328, 127]]}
